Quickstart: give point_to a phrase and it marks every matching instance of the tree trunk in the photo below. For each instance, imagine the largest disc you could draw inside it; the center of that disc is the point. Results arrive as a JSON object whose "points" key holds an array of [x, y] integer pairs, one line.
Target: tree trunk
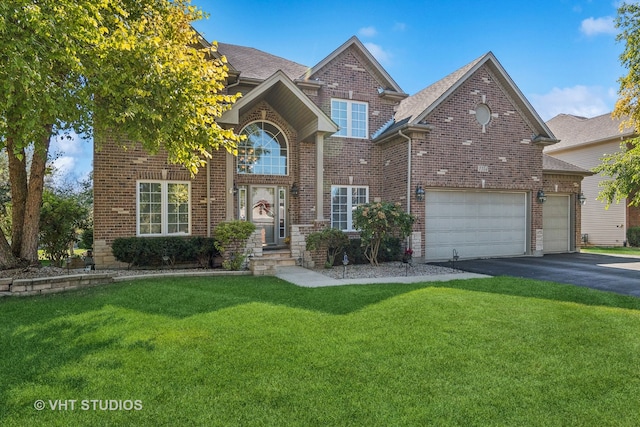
{"points": [[31, 227], [18, 181], [7, 259], [26, 198]]}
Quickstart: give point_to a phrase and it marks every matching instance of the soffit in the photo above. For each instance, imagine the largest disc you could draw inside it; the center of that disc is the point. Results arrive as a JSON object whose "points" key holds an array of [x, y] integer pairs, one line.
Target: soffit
{"points": [[288, 101]]}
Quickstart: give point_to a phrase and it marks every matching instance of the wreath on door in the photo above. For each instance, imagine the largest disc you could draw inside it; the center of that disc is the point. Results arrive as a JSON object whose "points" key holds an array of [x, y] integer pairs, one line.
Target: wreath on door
{"points": [[263, 206]]}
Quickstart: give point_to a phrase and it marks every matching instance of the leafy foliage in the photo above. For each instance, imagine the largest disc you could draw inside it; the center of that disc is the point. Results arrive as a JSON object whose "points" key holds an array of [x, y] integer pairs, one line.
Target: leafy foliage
{"points": [[332, 240], [230, 238], [633, 236], [137, 69], [156, 251], [623, 168], [378, 221], [61, 217]]}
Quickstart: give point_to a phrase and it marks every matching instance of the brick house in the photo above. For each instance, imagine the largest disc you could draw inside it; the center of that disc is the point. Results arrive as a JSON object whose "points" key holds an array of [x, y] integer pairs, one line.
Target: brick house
{"points": [[463, 155]]}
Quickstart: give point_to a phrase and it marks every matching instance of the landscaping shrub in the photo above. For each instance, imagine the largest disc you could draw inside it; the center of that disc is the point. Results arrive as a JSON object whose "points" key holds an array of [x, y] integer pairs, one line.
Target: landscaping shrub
{"points": [[390, 250], [156, 251], [331, 240], [379, 221], [230, 238], [633, 236]]}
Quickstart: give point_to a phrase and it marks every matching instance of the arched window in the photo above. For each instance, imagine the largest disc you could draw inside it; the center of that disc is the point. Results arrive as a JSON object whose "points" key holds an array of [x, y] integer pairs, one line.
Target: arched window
{"points": [[264, 152]]}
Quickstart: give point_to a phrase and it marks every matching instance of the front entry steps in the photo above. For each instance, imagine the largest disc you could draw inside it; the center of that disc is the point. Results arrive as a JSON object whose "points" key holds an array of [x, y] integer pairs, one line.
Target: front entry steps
{"points": [[270, 261]]}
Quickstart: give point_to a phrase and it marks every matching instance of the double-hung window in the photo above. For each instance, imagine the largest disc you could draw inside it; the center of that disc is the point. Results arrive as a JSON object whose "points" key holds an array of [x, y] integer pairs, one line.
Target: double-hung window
{"points": [[344, 200], [351, 117], [164, 208]]}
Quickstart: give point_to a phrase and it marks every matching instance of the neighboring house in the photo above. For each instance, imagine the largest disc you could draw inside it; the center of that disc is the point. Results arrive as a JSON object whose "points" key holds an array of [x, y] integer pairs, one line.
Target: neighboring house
{"points": [[583, 142], [463, 155]]}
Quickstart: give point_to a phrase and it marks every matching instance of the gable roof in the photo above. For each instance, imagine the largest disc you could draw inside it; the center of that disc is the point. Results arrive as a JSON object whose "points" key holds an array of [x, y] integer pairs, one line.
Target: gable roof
{"points": [[378, 69], [259, 65], [575, 130], [413, 110], [285, 97]]}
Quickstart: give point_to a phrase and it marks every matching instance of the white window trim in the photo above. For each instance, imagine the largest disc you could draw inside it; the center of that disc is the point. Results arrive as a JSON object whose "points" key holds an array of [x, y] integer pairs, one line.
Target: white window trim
{"points": [[164, 201], [349, 129], [350, 206]]}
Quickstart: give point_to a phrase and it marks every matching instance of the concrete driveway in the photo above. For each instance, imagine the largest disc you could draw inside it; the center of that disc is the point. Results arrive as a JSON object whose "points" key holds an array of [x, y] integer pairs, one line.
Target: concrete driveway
{"points": [[603, 272]]}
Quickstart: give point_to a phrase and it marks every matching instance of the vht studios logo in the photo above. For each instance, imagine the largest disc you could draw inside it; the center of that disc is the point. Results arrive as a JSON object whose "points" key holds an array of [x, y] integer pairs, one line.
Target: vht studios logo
{"points": [[88, 405]]}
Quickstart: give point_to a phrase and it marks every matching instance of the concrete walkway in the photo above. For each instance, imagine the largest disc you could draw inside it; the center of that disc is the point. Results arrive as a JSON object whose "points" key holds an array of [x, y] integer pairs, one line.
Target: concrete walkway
{"points": [[310, 279]]}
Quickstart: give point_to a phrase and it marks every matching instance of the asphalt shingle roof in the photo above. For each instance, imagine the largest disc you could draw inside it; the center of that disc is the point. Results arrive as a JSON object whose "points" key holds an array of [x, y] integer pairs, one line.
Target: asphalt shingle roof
{"points": [[551, 164], [256, 64], [575, 130], [414, 105]]}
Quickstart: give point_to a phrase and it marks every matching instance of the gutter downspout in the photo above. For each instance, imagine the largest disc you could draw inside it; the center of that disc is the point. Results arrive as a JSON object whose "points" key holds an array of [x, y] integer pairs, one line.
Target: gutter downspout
{"points": [[408, 169], [408, 243], [209, 197]]}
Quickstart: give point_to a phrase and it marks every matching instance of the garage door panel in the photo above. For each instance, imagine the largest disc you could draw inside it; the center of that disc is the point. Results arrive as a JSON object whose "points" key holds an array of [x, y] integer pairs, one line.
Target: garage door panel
{"points": [[556, 224], [475, 224]]}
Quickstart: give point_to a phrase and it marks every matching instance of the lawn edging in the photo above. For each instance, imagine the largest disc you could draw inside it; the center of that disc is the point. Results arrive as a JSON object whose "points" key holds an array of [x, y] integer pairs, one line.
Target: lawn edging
{"points": [[53, 284], [48, 285]]}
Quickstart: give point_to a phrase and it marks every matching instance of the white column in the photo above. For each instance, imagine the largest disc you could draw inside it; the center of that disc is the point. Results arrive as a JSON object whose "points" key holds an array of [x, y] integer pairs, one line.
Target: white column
{"points": [[319, 176], [228, 194]]}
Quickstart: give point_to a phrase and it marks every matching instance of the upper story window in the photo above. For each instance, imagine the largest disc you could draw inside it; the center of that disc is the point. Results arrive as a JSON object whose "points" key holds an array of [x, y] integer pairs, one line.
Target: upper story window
{"points": [[264, 152], [163, 208], [351, 117]]}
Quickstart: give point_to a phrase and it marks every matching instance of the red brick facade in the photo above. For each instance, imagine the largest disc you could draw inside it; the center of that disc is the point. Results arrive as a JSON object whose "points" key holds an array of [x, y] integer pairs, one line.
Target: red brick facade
{"points": [[453, 153]]}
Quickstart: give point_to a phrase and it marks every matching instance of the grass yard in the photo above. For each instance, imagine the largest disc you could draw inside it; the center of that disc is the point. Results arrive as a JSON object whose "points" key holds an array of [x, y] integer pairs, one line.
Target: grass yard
{"points": [[618, 250], [258, 351]]}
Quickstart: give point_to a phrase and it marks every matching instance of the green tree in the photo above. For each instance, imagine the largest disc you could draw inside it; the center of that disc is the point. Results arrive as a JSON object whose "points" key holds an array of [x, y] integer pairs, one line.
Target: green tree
{"points": [[623, 167], [137, 67], [378, 221], [61, 217]]}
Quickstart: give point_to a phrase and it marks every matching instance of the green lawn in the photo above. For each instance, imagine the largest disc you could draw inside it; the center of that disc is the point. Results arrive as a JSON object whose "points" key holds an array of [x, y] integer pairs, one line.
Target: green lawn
{"points": [[258, 351], [619, 250]]}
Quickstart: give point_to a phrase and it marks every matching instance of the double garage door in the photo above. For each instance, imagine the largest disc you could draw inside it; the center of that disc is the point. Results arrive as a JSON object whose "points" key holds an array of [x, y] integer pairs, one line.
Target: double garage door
{"points": [[475, 224], [490, 224]]}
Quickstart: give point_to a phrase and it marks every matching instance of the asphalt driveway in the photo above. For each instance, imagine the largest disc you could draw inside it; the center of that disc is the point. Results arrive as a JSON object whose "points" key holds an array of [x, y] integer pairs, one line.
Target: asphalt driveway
{"points": [[603, 272]]}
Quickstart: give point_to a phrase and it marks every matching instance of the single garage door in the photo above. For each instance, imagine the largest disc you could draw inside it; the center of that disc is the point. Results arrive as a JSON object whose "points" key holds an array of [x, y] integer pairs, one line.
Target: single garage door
{"points": [[475, 224], [556, 224]]}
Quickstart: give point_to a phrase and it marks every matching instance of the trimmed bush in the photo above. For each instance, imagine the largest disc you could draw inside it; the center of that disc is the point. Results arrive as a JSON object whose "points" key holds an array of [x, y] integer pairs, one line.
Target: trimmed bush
{"points": [[390, 250], [633, 236], [230, 238], [331, 240], [157, 251]]}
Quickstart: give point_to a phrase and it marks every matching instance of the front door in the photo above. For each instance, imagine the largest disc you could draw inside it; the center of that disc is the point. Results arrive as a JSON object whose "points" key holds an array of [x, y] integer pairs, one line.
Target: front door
{"points": [[265, 207]]}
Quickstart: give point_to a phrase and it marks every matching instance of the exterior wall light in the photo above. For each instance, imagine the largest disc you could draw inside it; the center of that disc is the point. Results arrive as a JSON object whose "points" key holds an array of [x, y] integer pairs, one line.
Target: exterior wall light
{"points": [[419, 193], [582, 198], [234, 190], [541, 196], [294, 190]]}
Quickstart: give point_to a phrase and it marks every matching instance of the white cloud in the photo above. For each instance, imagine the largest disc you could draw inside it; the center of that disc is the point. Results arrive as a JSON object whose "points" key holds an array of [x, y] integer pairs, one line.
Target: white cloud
{"points": [[379, 53], [64, 165], [594, 26], [68, 143], [586, 101], [367, 31], [399, 26]]}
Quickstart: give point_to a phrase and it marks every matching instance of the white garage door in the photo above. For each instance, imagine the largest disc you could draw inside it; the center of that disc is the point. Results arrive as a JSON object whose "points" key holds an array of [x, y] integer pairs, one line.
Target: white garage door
{"points": [[556, 224], [475, 224]]}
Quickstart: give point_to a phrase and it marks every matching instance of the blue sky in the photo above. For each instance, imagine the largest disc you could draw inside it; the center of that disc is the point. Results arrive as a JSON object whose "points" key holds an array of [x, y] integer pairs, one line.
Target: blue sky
{"points": [[562, 54]]}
